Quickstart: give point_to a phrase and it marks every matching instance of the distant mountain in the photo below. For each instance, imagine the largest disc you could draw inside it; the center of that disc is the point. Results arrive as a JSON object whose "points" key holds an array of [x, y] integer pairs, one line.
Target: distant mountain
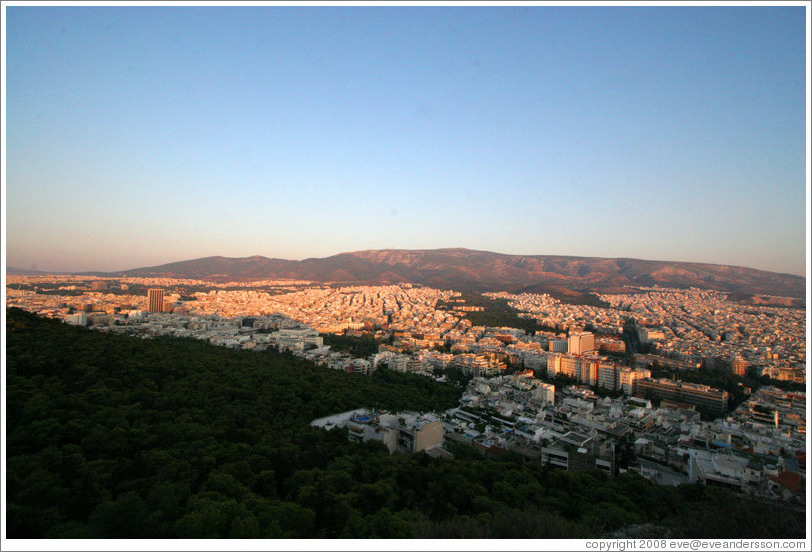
{"points": [[469, 270], [11, 271]]}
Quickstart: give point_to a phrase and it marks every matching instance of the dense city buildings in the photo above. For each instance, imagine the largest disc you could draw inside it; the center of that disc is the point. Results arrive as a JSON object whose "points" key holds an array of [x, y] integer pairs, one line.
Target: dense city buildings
{"points": [[686, 329], [758, 450], [682, 329], [606, 407]]}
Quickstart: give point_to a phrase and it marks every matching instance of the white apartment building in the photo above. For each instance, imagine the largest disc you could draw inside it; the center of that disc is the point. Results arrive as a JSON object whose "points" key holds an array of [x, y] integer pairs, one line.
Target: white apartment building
{"points": [[399, 363], [609, 376], [580, 343], [534, 360], [545, 392], [629, 378], [588, 370], [79, 319], [570, 365]]}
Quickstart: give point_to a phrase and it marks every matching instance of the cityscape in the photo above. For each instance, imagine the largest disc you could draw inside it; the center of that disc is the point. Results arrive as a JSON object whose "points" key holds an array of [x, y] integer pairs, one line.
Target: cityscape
{"points": [[376, 275], [684, 432]]}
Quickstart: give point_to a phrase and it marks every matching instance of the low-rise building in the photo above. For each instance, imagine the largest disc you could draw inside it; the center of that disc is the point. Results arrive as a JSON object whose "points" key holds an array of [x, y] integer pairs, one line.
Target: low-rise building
{"points": [[713, 401]]}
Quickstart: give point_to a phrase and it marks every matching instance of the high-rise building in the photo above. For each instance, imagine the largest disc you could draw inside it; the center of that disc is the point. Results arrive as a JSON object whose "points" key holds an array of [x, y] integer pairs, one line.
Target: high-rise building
{"points": [[155, 300], [580, 343], [571, 365], [609, 376], [588, 370]]}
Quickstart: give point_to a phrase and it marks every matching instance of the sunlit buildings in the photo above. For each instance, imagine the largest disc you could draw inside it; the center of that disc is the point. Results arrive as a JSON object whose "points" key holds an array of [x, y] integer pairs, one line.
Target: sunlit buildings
{"points": [[588, 369], [609, 376], [629, 377], [569, 365], [714, 401], [615, 377], [155, 300], [580, 343]]}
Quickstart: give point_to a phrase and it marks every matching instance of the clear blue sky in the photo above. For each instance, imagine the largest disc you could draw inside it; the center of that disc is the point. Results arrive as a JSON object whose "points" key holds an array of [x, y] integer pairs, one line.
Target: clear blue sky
{"points": [[143, 135]]}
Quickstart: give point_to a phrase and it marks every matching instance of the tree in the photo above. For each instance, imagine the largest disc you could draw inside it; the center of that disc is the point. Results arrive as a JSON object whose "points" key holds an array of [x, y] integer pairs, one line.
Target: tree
{"points": [[125, 517], [624, 451]]}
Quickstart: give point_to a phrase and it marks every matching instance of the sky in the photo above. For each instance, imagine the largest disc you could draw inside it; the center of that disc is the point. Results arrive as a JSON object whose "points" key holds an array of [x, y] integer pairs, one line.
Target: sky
{"points": [[137, 136]]}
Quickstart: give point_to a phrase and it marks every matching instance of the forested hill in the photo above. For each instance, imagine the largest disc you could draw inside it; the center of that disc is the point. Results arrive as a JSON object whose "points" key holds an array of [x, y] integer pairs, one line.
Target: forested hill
{"points": [[119, 437]]}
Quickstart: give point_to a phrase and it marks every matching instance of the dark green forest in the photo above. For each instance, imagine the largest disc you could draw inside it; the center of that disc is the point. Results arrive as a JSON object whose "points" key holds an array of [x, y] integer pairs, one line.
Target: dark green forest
{"points": [[121, 437], [362, 347], [497, 313]]}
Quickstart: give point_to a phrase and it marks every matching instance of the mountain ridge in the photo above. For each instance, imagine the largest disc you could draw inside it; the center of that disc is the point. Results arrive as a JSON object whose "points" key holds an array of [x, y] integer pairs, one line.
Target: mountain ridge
{"points": [[474, 270]]}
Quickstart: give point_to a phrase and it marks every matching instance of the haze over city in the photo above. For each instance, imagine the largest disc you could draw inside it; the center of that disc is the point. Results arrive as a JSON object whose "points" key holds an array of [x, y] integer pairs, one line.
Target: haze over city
{"points": [[137, 136]]}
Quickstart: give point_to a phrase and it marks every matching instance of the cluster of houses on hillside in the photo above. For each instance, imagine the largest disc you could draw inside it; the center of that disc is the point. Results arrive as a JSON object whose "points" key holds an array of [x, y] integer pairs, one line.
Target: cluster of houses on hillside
{"points": [[760, 449]]}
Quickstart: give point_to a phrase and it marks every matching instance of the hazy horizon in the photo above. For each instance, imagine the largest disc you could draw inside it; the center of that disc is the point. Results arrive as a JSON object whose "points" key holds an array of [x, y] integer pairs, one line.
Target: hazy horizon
{"points": [[139, 136]]}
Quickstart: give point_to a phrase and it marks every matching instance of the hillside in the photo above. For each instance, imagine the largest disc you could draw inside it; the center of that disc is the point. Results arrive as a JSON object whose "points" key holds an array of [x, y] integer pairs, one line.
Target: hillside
{"points": [[469, 270], [120, 437]]}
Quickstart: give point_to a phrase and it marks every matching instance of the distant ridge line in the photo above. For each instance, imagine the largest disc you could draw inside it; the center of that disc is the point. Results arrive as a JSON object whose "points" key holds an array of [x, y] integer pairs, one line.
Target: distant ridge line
{"points": [[473, 270]]}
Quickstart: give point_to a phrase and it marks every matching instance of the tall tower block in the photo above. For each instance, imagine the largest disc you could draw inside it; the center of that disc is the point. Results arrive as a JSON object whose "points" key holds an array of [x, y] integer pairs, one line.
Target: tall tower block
{"points": [[155, 300]]}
